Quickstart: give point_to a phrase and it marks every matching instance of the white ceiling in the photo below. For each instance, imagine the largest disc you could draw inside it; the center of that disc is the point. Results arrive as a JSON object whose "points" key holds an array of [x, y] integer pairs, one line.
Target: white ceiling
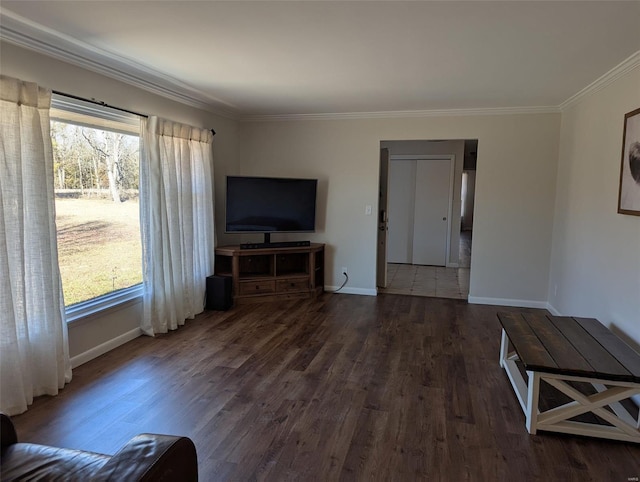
{"points": [[276, 58]]}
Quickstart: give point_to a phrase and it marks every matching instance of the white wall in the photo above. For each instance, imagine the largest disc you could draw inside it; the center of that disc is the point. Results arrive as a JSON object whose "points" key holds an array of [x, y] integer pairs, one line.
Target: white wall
{"points": [[434, 148], [89, 337], [595, 262], [515, 190]]}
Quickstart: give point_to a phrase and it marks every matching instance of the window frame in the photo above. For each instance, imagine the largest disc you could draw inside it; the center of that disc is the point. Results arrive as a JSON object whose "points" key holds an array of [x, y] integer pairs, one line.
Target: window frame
{"points": [[103, 303], [78, 112]]}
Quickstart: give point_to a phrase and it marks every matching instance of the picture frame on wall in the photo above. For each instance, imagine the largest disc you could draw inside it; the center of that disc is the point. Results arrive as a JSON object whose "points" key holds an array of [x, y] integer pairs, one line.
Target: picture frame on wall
{"points": [[629, 193]]}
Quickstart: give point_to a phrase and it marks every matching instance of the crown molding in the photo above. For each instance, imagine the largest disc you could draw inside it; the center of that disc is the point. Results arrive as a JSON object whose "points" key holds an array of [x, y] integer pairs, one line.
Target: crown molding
{"points": [[403, 114], [614, 74], [34, 36]]}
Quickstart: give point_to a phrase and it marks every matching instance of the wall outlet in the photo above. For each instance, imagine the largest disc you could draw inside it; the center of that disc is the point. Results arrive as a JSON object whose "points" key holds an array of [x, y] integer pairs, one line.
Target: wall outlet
{"points": [[343, 270]]}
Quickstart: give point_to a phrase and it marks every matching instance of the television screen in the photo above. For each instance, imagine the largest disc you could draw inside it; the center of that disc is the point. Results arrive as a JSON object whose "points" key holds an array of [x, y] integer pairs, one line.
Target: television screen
{"points": [[268, 204]]}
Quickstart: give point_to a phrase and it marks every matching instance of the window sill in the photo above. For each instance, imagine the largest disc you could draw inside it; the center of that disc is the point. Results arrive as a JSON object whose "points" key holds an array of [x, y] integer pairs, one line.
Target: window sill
{"points": [[102, 303]]}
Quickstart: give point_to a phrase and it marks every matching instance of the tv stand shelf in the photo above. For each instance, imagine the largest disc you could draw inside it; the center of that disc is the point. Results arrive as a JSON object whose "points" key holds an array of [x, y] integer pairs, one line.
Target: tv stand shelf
{"points": [[272, 273]]}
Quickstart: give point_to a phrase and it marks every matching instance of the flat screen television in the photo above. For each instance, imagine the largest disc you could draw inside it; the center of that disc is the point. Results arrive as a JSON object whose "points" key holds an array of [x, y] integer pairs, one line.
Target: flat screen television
{"points": [[270, 205]]}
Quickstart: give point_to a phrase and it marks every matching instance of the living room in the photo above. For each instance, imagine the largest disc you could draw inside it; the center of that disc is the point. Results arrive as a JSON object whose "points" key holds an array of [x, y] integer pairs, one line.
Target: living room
{"points": [[546, 231]]}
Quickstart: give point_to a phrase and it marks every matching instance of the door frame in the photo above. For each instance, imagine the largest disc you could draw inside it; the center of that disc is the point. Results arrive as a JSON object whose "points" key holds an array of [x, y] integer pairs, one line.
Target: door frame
{"points": [[383, 206], [452, 165]]}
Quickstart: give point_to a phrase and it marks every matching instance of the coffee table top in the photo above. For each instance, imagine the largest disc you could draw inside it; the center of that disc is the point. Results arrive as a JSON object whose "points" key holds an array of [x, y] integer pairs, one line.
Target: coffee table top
{"points": [[570, 346]]}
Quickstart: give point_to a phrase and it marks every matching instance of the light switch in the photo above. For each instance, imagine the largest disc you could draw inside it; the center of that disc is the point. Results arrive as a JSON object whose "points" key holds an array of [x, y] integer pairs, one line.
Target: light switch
{"points": [[367, 209]]}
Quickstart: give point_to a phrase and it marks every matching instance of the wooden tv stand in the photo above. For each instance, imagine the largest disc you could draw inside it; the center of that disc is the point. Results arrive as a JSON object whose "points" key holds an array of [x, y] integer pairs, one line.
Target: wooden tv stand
{"points": [[272, 273]]}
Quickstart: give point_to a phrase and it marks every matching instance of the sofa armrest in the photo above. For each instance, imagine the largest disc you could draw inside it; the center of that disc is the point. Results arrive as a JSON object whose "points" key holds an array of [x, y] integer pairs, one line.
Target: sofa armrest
{"points": [[151, 457], [8, 434]]}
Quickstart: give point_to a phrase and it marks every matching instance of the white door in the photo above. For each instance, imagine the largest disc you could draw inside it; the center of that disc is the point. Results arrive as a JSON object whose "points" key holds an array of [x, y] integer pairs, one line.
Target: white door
{"points": [[402, 175], [431, 213]]}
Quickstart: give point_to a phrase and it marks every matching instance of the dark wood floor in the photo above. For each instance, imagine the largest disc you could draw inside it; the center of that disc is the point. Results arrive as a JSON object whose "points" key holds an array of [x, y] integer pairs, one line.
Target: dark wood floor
{"points": [[388, 388]]}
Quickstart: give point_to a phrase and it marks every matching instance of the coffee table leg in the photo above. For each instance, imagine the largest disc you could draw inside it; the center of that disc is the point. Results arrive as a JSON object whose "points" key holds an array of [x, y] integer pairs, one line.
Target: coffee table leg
{"points": [[533, 392], [504, 348]]}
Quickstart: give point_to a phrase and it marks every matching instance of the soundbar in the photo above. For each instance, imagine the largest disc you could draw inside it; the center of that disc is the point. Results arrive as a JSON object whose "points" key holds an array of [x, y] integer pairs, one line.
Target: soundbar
{"points": [[280, 244]]}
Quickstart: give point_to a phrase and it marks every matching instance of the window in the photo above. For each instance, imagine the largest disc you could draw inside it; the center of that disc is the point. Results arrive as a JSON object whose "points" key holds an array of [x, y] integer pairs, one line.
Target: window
{"points": [[96, 173]]}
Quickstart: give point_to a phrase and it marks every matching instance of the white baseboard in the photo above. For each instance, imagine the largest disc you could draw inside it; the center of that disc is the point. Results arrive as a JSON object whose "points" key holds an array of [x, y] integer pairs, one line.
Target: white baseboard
{"points": [[479, 300], [552, 310], [96, 351], [352, 291]]}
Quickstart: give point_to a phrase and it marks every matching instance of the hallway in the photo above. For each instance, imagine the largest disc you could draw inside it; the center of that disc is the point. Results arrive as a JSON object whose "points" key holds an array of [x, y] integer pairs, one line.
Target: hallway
{"points": [[434, 281]]}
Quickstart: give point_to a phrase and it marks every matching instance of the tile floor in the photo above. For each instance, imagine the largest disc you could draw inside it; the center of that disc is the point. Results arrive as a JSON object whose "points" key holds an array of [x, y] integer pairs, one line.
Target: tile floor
{"points": [[417, 280]]}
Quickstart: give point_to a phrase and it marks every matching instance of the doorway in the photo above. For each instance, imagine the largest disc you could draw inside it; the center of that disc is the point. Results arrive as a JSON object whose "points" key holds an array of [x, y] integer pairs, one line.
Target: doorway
{"points": [[404, 273]]}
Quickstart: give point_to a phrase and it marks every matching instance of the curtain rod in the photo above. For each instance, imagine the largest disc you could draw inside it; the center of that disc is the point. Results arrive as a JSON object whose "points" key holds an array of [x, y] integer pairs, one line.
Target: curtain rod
{"points": [[104, 104]]}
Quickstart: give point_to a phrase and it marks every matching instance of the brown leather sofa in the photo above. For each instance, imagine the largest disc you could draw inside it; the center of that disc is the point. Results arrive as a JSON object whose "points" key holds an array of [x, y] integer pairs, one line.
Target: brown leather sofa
{"points": [[146, 457]]}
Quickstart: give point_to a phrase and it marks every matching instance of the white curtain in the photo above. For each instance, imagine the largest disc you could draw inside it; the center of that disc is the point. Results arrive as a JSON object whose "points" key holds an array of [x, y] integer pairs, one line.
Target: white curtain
{"points": [[176, 203], [34, 350]]}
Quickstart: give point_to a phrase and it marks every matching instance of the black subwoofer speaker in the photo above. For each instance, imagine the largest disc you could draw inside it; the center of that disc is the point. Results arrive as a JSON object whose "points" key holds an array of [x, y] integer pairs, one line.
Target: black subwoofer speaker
{"points": [[219, 293]]}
